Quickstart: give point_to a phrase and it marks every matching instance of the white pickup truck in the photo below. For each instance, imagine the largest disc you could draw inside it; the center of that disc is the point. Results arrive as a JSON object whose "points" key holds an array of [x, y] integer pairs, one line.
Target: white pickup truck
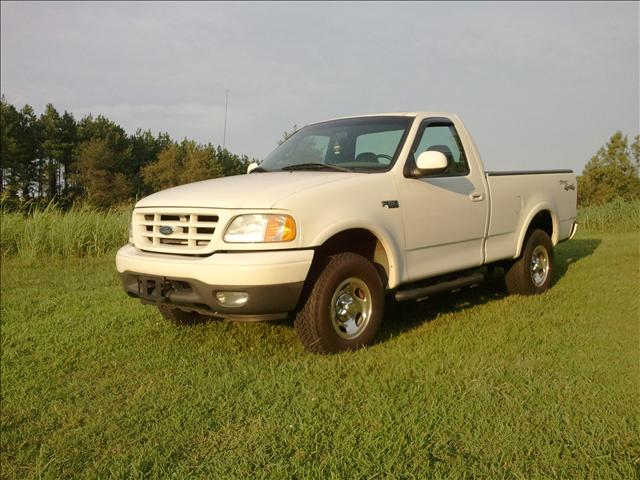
{"points": [[341, 216]]}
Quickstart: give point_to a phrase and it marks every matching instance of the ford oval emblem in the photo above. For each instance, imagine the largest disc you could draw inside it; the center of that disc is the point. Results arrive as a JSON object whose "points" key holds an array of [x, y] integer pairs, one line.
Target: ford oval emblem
{"points": [[166, 229]]}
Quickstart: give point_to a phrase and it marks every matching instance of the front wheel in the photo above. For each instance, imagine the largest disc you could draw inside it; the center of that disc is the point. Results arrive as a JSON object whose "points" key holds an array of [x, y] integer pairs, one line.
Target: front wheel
{"points": [[533, 272], [344, 308]]}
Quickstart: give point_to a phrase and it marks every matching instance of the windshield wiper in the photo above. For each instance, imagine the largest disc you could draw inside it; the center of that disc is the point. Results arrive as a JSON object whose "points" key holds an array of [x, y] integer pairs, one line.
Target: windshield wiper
{"points": [[304, 166]]}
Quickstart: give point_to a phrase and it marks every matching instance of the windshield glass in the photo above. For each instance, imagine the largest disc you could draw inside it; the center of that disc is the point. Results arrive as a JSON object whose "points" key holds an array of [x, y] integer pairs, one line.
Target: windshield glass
{"points": [[366, 144]]}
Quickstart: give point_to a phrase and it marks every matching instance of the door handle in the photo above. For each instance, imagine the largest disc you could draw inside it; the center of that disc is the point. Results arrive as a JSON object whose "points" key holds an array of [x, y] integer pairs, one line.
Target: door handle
{"points": [[476, 197]]}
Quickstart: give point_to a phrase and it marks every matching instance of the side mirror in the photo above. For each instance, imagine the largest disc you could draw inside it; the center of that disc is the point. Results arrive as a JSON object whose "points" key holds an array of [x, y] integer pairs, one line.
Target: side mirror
{"points": [[252, 166], [431, 161]]}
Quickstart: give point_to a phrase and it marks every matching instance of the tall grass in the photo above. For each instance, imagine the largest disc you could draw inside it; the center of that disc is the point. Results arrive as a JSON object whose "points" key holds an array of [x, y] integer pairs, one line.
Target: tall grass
{"points": [[84, 231], [79, 232], [618, 216]]}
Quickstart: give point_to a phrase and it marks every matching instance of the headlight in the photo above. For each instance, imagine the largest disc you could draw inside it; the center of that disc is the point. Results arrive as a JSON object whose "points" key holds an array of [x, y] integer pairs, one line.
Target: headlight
{"points": [[261, 228]]}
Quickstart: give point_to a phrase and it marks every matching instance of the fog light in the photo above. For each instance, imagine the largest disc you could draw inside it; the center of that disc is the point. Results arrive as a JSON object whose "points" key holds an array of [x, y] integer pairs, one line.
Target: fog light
{"points": [[232, 299]]}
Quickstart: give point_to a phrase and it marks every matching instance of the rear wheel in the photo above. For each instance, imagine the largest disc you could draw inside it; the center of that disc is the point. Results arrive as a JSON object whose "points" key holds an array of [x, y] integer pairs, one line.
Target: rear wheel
{"points": [[180, 317], [533, 272], [344, 308]]}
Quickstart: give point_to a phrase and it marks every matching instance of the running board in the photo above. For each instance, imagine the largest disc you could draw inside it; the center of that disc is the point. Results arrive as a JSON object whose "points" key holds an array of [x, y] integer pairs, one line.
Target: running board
{"points": [[416, 293]]}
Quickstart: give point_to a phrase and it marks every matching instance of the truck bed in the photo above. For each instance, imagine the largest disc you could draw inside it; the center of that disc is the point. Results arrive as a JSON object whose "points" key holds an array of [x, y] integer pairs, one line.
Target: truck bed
{"points": [[516, 196]]}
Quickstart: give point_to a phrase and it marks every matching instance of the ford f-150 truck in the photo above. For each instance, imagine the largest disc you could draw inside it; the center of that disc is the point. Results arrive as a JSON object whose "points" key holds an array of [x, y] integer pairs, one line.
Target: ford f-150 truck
{"points": [[342, 216]]}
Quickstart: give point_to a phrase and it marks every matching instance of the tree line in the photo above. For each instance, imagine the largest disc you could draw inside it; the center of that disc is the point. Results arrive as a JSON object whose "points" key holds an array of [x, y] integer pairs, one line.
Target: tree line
{"points": [[54, 157], [612, 173]]}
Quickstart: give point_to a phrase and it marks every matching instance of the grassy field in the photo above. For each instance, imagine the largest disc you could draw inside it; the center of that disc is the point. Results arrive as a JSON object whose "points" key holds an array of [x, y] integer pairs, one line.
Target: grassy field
{"points": [[473, 384]]}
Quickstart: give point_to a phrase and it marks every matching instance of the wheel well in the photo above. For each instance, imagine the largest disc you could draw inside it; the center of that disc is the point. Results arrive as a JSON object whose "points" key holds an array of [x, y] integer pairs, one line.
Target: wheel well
{"points": [[542, 220], [360, 241]]}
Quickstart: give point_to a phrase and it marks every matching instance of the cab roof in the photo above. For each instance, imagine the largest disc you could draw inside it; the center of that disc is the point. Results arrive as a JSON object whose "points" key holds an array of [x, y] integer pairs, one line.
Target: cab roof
{"points": [[398, 114]]}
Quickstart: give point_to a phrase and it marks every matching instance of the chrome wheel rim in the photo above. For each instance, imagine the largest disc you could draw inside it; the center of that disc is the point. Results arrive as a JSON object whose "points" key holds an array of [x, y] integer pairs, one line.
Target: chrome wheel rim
{"points": [[539, 265], [351, 307]]}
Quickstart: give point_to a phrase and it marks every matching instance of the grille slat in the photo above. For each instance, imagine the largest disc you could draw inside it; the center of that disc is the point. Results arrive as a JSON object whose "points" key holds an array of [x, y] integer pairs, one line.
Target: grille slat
{"points": [[183, 236], [192, 232], [182, 224]]}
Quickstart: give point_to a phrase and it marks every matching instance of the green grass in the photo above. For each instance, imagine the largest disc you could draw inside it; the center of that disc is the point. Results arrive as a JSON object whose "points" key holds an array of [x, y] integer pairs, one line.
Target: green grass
{"points": [[473, 384]]}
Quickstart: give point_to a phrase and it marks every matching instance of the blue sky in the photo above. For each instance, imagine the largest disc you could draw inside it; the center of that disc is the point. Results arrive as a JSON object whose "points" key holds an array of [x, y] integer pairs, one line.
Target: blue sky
{"points": [[539, 85]]}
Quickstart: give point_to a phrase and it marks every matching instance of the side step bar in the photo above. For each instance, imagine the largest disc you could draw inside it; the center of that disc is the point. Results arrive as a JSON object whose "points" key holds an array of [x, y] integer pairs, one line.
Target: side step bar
{"points": [[416, 293]]}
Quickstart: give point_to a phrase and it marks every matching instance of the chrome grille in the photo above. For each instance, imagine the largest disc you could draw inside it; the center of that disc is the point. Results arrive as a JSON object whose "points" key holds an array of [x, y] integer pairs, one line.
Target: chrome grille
{"points": [[179, 232]]}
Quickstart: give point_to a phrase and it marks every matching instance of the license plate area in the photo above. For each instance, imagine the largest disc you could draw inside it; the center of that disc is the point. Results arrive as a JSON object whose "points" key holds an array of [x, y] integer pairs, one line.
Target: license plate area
{"points": [[153, 289]]}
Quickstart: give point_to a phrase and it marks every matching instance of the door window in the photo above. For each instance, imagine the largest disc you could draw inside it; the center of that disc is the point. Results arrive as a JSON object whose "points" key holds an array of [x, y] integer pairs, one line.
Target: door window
{"points": [[443, 137]]}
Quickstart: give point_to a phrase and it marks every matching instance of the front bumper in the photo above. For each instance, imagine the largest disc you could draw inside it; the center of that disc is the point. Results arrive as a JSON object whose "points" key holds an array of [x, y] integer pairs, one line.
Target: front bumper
{"points": [[273, 280]]}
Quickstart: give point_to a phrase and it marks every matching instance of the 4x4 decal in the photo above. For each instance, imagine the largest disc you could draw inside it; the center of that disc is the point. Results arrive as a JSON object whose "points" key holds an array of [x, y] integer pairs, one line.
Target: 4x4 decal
{"points": [[567, 186]]}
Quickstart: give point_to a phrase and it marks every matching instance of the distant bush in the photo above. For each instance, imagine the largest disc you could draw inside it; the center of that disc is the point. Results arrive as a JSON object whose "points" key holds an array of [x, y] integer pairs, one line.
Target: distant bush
{"points": [[618, 216], [51, 232], [612, 173]]}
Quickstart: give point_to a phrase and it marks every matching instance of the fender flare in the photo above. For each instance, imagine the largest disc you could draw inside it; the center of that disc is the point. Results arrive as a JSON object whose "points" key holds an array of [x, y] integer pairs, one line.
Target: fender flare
{"points": [[392, 250], [540, 207]]}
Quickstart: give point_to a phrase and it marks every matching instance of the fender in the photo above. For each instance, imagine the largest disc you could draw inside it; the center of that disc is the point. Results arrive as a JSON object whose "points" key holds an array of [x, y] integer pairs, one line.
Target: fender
{"points": [[527, 222], [392, 250]]}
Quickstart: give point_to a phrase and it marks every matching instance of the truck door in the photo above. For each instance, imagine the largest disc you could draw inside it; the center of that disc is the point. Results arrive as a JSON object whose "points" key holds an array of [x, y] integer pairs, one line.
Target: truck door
{"points": [[444, 214]]}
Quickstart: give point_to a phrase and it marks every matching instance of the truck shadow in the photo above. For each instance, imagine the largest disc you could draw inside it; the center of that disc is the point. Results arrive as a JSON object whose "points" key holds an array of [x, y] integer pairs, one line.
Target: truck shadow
{"points": [[571, 252], [405, 316]]}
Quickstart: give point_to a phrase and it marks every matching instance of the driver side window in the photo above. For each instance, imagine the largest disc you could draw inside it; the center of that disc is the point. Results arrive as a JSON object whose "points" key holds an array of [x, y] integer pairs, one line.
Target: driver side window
{"points": [[380, 146], [443, 137]]}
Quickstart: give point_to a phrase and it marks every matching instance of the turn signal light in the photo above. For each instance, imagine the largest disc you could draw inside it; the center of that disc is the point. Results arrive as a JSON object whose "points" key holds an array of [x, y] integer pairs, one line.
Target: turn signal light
{"points": [[280, 228]]}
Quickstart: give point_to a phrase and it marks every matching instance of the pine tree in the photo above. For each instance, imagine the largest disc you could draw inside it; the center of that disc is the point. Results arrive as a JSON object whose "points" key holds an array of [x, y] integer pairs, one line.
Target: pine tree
{"points": [[28, 167], [8, 150], [68, 143], [51, 149]]}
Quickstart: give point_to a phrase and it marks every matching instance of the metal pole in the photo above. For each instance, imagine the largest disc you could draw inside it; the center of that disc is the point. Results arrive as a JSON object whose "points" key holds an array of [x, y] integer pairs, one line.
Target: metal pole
{"points": [[224, 135]]}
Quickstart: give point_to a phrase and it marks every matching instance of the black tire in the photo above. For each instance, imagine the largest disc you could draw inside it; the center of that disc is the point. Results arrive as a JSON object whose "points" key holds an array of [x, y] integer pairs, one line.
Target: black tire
{"points": [[352, 282], [523, 276], [180, 317]]}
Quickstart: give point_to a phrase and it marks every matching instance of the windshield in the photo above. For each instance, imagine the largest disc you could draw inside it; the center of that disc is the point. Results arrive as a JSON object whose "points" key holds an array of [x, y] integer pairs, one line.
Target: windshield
{"points": [[366, 144]]}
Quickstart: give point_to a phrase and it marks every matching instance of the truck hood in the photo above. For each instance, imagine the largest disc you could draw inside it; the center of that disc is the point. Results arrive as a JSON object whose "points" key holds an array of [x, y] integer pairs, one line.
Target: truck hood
{"points": [[256, 190]]}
